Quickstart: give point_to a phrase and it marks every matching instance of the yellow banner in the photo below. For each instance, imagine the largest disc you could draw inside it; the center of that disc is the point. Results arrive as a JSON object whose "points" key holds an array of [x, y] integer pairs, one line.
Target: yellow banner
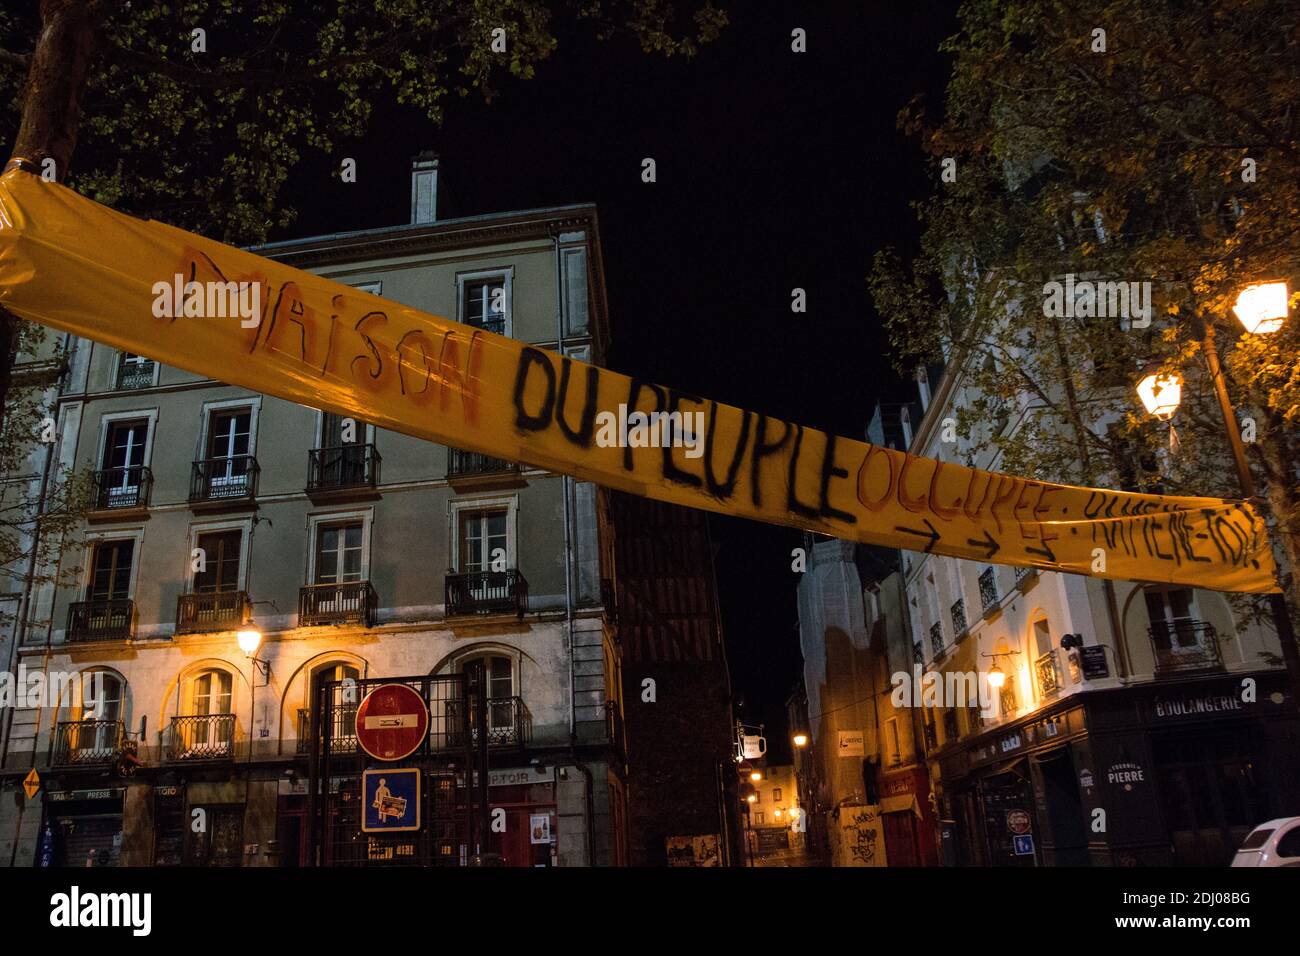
{"points": [[148, 288]]}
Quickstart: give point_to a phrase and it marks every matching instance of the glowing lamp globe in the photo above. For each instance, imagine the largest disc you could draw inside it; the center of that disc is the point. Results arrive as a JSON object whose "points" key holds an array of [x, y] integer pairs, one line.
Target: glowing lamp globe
{"points": [[249, 641], [1161, 394], [997, 677], [1262, 308]]}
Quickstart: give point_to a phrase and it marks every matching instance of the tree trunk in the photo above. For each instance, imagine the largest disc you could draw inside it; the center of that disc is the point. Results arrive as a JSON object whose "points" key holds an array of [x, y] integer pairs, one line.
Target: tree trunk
{"points": [[1276, 452], [52, 95]]}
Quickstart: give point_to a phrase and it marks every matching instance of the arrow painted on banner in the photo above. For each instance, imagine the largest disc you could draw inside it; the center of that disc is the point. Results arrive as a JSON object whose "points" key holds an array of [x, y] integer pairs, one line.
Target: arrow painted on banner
{"points": [[1045, 551], [988, 542], [933, 534]]}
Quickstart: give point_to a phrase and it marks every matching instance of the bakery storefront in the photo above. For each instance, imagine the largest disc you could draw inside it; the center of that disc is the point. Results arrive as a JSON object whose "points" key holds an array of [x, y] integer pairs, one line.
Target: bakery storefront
{"points": [[1167, 773]]}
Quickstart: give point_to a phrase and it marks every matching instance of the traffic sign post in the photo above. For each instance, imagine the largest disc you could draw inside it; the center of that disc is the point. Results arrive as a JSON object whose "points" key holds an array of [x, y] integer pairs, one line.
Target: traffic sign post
{"points": [[392, 722]]}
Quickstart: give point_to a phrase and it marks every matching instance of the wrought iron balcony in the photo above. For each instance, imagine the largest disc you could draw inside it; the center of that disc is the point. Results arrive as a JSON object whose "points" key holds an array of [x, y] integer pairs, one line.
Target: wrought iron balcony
{"points": [[218, 480], [212, 611], [471, 464], [342, 468], [127, 487], [1023, 575], [1185, 645], [349, 602], [87, 743], [1049, 676], [200, 737], [110, 620], [486, 592], [959, 616], [988, 589], [509, 722], [135, 375], [343, 735], [936, 639], [496, 322]]}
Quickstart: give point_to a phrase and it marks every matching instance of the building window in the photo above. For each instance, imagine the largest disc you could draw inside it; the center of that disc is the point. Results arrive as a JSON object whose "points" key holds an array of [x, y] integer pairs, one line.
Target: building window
{"points": [[502, 706], [485, 300], [894, 750], [110, 577], [758, 819], [135, 371], [212, 693], [339, 552], [220, 567], [97, 716], [776, 795], [483, 540]]}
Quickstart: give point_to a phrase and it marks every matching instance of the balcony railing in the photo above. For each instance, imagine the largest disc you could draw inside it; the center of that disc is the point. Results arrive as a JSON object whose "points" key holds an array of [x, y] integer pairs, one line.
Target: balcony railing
{"points": [[212, 611], [936, 639], [1023, 574], [200, 737], [1185, 645], [486, 592], [509, 723], [224, 479], [988, 589], [959, 617], [110, 620], [343, 735], [918, 652], [342, 467], [490, 323], [1049, 677], [349, 602], [127, 487], [468, 464], [87, 743], [135, 375]]}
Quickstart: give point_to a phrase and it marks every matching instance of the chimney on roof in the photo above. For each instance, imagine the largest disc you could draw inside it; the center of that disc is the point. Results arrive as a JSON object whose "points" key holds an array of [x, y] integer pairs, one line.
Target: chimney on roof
{"points": [[424, 188]]}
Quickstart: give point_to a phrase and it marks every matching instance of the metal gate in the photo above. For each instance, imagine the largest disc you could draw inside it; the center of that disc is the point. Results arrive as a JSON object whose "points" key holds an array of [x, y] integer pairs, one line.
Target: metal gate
{"points": [[447, 760]]}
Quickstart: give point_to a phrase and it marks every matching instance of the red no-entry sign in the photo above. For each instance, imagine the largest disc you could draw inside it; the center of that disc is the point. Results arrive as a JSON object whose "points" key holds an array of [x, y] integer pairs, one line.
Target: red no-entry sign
{"points": [[392, 722]]}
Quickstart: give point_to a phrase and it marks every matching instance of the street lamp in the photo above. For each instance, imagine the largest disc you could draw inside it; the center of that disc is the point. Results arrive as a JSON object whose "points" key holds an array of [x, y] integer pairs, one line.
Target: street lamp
{"points": [[1161, 394], [801, 740], [997, 677], [1262, 308], [755, 776], [250, 639]]}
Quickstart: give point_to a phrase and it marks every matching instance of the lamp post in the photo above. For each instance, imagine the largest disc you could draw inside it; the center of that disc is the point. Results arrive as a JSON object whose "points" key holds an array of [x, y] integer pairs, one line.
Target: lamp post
{"points": [[1261, 308], [250, 639]]}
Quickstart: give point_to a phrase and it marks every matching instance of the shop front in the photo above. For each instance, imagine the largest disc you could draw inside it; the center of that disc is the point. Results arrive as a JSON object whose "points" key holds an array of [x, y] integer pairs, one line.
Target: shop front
{"points": [[1168, 773], [907, 818], [84, 827]]}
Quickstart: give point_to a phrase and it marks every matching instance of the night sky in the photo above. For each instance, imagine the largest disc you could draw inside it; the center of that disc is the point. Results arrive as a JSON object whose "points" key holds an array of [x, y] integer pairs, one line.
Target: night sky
{"points": [[775, 170]]}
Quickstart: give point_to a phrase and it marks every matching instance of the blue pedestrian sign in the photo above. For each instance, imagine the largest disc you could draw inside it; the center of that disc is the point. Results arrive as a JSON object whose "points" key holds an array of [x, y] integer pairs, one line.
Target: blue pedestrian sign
{"points": [[1023, 844], [390, 800]]}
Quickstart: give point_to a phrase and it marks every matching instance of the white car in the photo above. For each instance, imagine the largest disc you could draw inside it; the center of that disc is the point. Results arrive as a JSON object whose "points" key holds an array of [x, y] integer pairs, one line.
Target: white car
{"points": [[1276, 843]]}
